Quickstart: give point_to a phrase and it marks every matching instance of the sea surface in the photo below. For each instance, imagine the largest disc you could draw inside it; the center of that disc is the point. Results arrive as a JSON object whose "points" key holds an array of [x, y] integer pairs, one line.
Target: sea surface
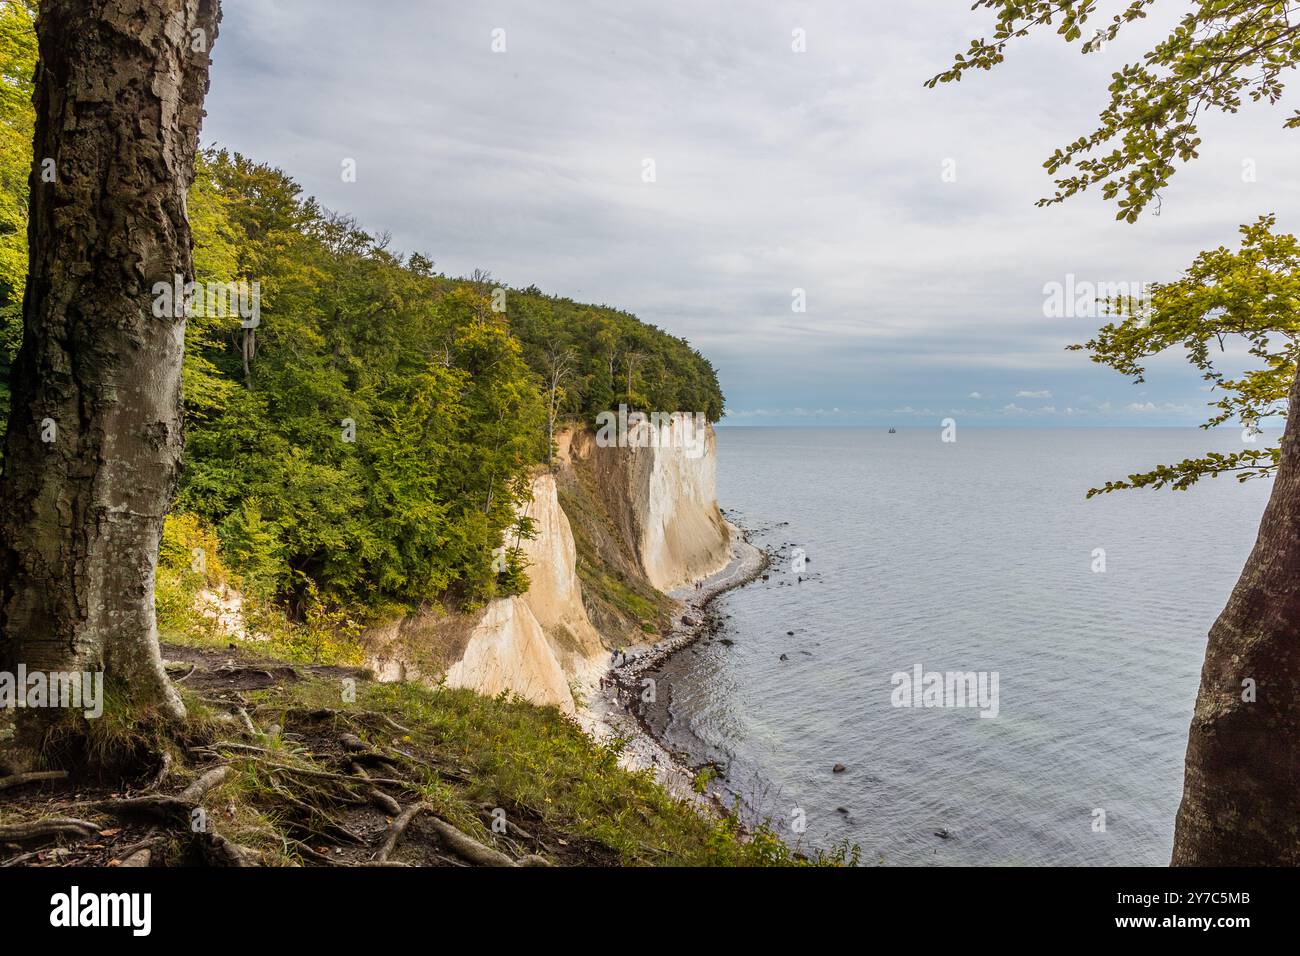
{"points": [[976, 555]]}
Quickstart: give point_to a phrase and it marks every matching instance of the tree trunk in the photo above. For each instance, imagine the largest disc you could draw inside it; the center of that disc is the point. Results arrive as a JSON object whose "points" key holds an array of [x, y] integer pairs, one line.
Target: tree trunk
{"points": [[1241, 789], [93, 447]]}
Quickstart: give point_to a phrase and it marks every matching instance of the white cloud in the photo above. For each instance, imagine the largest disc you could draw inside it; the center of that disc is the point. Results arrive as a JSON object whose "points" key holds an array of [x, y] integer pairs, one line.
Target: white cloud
{"points": [[775, 170], [1152, 408]]}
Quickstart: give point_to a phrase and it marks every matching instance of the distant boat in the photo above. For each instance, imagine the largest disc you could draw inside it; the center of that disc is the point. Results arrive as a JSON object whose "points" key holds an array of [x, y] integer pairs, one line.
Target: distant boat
{"points": [[893, 431]]}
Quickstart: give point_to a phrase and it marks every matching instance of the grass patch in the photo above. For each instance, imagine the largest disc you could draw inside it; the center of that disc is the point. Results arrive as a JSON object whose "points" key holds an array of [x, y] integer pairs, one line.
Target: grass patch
{"points": [[537, 766]]}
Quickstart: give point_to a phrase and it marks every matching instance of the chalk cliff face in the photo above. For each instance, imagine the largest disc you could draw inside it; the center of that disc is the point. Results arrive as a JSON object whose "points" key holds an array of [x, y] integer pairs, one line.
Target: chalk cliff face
{"points": [[554, 594], [536, 644], [508, 650], [661, 490], [542, 644]]}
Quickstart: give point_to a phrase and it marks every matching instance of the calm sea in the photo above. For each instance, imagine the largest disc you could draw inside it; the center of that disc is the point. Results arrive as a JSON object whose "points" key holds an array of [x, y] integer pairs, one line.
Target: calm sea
{"points": [[977, 555]]}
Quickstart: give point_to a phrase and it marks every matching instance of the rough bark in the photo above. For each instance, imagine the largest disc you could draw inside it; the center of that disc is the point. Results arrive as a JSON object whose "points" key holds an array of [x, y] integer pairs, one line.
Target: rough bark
{"points": [[93, 447], [1241, 788]]}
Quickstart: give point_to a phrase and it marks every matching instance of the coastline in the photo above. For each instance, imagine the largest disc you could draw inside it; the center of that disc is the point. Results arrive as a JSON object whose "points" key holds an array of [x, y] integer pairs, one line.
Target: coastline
{"points": [[612, 710]]}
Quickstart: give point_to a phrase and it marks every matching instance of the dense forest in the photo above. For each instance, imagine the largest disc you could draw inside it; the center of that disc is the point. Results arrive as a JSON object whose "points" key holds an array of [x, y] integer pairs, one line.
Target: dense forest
{"points": [[364, 440]]}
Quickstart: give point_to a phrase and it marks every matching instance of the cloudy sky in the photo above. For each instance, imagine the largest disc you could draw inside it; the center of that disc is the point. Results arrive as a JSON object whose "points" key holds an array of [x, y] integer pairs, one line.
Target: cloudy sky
{"points": [[905, 215]]}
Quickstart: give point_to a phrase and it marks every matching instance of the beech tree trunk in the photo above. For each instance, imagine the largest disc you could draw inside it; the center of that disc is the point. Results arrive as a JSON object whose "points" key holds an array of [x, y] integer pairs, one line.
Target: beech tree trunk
{"points": [[93, 447], [1241, 787]]}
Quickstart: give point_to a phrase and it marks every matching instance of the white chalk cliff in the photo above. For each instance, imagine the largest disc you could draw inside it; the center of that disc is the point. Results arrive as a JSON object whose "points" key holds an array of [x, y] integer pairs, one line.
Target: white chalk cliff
{"points": [[665, 495], [536, 644], [541, 645]]}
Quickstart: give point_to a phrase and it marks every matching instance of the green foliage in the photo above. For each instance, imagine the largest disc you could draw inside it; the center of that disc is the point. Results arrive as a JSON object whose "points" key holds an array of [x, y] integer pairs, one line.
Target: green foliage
{"points": [[1215, 57], [609, 348], [368, 442], [1251, 295], [703, 777], [17, 124], [1219, 54], [375, 446], [197, 606], [254, 546]]}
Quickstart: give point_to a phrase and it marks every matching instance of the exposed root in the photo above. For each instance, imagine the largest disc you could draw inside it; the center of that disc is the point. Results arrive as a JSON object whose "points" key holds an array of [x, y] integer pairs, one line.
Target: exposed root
{"points": [[188, 675], [249, 727], [168, 809], [396, 828], [199, 788], [137, 854], [467, 848], [486, 814], [216, 850], [34, 776], [354, 744], [53, 827], [232, 745], [163, 806], [320, 713], [380, 799], [310, 790], [313, 854], [164, 770]]}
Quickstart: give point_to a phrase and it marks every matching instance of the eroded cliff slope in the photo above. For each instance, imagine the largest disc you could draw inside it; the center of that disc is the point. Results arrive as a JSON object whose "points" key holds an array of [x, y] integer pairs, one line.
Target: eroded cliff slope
{"points": [[644, 520]]}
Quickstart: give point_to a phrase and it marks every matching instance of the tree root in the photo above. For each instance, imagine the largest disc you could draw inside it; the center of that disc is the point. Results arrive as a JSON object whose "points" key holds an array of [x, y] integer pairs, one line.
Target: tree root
{"points": [[380, 799], [163, 772], [319, 713], [324, 859], [188, 675], [157, 806], [54, 826], [395, 830], [35, 776], [327, 775], [231, 745], [137, 854], [247, 722], [22, 858], [485, 813], [216, 850], [163, 806], [467, 848], [200, 787]]}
